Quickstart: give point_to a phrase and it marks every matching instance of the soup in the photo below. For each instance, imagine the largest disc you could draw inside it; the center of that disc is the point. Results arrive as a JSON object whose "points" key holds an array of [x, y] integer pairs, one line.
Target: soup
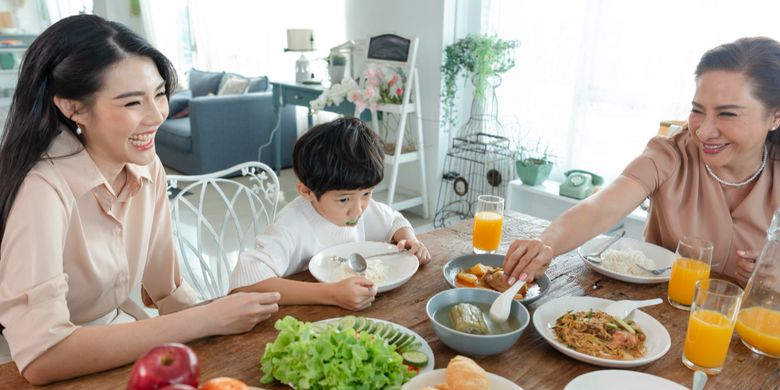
{"points": [[442, 316]]}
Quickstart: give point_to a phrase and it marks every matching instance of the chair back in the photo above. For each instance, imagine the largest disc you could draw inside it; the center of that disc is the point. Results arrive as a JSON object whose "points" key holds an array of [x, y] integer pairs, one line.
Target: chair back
{"points": [[216, 217]]}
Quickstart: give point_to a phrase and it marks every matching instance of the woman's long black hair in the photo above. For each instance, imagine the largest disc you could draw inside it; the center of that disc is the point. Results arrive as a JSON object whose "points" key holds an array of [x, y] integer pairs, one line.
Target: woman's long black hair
{"points": [[68, 60]]}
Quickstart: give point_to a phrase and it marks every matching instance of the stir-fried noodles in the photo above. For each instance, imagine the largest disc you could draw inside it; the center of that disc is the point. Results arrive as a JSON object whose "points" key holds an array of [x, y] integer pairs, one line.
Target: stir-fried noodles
{"points": [[599, 334]]}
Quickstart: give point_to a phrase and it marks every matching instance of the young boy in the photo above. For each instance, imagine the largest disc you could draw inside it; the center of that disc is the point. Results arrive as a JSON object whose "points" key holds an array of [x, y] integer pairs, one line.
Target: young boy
{"points": [[338, 164]]}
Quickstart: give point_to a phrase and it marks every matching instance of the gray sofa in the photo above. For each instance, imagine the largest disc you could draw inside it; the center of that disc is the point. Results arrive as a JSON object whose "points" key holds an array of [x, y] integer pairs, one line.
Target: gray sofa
{"points": [[221, 131]]}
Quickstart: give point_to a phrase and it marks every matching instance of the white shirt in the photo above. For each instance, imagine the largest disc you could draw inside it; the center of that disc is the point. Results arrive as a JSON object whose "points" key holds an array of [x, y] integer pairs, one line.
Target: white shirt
{"points": [[300, 232]]}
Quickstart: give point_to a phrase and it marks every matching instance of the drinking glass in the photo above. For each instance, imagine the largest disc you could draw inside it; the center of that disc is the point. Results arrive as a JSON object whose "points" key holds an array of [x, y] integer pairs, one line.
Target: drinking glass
{"points": [[758, 324], [488, 221], [711, 324], [694, 257]]}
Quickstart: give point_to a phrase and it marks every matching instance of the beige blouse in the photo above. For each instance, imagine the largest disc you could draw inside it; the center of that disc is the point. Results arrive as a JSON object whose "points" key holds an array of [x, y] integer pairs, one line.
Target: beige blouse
{"points": [[73, 250], [686, 200]]}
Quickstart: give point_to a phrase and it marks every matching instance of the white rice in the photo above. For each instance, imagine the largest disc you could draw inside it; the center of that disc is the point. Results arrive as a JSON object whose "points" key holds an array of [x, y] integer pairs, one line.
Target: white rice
{"points": [[624, 261], [376, 271]]}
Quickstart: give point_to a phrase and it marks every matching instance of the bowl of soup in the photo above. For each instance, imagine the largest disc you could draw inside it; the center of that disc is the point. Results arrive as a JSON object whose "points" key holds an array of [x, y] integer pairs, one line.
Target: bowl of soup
{"points": [[461, 319]]}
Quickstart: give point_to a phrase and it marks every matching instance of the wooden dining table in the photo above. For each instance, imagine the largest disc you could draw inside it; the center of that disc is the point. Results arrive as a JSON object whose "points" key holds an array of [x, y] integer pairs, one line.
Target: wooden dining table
{"points": [[531, 363]]}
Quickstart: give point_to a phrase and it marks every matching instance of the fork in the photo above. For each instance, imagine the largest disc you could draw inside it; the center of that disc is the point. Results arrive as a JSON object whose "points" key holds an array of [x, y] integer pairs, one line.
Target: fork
{"points": [[658, 271]]}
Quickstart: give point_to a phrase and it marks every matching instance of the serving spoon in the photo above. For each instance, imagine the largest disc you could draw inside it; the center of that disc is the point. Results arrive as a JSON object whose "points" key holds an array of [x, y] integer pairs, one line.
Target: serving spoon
{"points": [[622, 309], [596, 257], [499, 310]]}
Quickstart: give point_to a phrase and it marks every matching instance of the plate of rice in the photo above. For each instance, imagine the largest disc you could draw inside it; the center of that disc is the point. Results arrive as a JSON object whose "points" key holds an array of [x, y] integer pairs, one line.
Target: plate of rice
{"points": [[388, 271], [621, 261]]}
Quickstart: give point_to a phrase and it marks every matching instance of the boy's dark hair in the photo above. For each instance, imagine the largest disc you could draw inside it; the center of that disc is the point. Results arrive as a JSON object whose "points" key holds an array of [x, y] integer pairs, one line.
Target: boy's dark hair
{"points": [[343, 154]]}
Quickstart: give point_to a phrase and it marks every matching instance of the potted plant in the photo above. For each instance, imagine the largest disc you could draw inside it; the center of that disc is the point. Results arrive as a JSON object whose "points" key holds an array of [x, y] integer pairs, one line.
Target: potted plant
{"points": [[480, 57], [534, 164]]}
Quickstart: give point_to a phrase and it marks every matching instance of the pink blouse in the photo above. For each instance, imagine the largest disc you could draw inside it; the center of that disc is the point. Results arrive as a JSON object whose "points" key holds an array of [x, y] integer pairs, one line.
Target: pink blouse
{"points": [[686, 201], [73, 250]]}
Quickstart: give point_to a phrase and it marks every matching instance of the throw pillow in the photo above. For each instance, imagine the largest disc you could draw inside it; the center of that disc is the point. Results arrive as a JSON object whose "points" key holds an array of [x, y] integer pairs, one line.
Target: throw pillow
{"points": [[202, 83], [233, 85], [257, 84]]}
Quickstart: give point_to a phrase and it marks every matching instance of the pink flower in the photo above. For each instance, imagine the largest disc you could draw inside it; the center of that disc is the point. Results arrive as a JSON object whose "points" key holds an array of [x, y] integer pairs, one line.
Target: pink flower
{"points": [[399, 92]]}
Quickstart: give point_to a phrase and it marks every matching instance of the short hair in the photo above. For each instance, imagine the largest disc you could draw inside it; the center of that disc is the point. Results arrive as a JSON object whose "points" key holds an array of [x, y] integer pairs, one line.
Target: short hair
{"points": [[343, 154]]}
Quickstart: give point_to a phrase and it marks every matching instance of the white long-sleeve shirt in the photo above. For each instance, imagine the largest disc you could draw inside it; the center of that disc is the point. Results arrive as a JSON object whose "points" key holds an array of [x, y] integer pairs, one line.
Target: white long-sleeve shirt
{"points": [[300, 232]]}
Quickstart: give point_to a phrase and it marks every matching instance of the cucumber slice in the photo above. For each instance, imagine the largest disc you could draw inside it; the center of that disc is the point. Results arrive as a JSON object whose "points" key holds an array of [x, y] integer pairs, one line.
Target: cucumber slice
{"points": [[415, 358], [392, 334], [380, 328], [347, 322], [361, 324], [389, 328], [370, 326], [414, 346], [318, 327], [404, 341]]}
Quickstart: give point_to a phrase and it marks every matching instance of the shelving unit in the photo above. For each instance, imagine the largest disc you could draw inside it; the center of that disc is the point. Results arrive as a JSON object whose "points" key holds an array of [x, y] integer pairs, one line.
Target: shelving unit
{"points": [[9, 76]]}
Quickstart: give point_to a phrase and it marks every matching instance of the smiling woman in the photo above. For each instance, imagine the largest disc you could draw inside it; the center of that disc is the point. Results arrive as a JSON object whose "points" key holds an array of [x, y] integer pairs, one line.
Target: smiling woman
{"points": [[78, 154]]}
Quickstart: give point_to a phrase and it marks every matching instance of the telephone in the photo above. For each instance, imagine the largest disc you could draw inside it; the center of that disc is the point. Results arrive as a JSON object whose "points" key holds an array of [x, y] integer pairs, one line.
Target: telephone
{"points": [[579, 184]]}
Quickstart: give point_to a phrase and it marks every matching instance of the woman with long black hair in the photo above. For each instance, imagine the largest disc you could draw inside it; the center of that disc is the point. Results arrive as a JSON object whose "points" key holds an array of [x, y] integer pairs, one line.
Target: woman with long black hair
{"points": [[84, 214]]}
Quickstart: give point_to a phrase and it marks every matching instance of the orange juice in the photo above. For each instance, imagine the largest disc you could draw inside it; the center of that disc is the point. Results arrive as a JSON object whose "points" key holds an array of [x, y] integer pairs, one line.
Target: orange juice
{"points": [[487, 230], [685, 273], [708, 337], [760, 327]]}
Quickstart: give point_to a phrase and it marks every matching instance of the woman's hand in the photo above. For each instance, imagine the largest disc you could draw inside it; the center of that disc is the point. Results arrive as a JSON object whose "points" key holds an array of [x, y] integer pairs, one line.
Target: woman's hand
{"points": [[416, 248], [240, 312], [526, 259], [746, 261], [354, 293]]}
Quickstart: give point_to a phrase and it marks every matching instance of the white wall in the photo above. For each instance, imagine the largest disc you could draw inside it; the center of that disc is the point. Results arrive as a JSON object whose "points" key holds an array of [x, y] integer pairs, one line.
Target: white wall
{"points": [[434, 22], [119, 11]]}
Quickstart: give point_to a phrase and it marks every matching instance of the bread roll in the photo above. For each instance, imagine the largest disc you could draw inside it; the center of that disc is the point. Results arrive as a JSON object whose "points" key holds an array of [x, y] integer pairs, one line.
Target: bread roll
{"points": [[465, 374]]}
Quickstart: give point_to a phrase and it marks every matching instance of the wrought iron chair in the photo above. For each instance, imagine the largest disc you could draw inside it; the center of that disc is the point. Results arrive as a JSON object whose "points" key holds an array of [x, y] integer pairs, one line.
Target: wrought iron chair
{"points": [[215, 217]]}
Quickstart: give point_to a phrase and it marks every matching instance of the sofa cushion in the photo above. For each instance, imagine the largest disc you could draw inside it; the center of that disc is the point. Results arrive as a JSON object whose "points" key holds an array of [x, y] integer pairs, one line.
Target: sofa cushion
{"points": [[233, 84], [257, 84], [204, 83], [175, 134]]}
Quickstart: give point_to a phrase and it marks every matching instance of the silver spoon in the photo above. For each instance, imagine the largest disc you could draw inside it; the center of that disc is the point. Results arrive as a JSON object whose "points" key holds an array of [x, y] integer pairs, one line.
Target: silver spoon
{"points": [[596, 257], [357, 263], [658, 271]]}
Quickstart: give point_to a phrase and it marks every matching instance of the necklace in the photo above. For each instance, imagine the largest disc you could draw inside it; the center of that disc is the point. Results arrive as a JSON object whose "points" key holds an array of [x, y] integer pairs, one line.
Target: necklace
{"points": [[742, 183]]}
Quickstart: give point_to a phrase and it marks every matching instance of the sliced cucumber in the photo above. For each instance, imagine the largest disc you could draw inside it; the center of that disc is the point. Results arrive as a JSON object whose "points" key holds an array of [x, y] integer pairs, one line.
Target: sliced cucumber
{"points": [[380, 328], [414, 346], [395, 337], [360, 324], [347, 322], [404, 342], [415, 358], [371, 326]]}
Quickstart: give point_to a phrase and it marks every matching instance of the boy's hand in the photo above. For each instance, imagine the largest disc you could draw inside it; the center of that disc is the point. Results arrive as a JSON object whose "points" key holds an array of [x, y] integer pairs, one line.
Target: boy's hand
{"points": [[416, 248], [354, 293]]}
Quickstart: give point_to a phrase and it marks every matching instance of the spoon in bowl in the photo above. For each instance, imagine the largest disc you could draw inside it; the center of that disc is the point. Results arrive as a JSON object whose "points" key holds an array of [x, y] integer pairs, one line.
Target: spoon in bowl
{"points": [[596, 257], [499, 310]]}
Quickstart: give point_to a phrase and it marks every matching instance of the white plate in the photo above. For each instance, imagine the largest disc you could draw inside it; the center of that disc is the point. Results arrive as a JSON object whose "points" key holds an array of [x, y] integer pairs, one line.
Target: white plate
{"points": [[437, 377], [425, 348], [400, 267], [621, 380], [657, 341], [660, 255]]}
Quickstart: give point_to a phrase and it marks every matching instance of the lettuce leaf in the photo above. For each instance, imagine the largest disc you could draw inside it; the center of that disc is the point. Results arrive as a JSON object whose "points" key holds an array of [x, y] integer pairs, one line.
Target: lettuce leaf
{"points": [[331, 359]]}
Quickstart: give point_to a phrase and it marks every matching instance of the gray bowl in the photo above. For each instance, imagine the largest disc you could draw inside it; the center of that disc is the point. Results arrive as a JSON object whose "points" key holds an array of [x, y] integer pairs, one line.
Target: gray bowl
{"points": [[473, 344], [462, 263]]}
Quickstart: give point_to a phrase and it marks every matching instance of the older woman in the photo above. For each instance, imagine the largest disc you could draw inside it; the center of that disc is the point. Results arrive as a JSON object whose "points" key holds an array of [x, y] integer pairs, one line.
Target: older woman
{"points": [[84, 214], [716, 179]]}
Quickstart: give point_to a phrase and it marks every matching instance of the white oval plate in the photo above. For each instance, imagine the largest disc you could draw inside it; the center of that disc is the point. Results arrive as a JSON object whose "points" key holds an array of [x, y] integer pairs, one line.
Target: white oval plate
{"points": [[437, 377], [660, 255], [657, 341], [400, 267], [426, 349], [621, 380]]}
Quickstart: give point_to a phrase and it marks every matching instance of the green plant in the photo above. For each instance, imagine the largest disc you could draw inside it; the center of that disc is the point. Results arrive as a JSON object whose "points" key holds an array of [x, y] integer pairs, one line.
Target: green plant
{"points": [[537, 154], [479, 56], [336, 59]]}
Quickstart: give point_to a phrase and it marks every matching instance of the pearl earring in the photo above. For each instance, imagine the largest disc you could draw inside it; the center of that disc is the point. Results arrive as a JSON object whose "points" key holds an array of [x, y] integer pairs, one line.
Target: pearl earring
{"points": [[78, 130]]}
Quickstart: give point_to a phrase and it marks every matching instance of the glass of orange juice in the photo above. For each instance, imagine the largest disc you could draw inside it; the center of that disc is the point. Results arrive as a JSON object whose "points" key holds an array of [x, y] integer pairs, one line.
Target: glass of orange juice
{"points": [[694, 257], [758, 323], [488, 221], [711, 324]]}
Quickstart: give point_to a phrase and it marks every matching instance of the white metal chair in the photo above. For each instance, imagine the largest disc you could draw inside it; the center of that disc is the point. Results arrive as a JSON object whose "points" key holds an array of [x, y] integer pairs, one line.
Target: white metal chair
{"points": [[215, 217], [393, 50]]}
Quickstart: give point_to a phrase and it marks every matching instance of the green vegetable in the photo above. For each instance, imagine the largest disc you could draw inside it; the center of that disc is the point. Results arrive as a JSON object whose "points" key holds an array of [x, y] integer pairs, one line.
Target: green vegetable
{"points": [[415, 358], [330, 359], [625, 325]]}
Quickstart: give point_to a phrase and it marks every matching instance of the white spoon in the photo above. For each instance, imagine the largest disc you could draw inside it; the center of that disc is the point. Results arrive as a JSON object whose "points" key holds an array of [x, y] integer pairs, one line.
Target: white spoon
{"points": [[622, 309], [499, 310], [699, 380]]}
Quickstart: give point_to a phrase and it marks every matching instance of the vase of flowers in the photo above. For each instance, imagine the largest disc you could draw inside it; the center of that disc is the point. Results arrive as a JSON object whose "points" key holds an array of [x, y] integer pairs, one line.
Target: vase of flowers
{"points": [[380, 84], [479, 57]]}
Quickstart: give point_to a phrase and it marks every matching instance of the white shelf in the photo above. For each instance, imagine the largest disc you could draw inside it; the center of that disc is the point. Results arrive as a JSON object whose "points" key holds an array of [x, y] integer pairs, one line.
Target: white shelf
{"points": [[403, 158], [404, 198]]}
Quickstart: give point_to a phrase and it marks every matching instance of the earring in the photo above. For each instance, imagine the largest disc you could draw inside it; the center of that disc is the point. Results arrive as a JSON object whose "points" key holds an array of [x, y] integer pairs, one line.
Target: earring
{"points": [[78, 130]]}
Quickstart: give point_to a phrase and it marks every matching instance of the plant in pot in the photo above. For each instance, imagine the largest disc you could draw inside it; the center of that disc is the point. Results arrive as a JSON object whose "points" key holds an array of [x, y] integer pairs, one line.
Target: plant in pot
{"points": [[534, 164], [481, 57]]}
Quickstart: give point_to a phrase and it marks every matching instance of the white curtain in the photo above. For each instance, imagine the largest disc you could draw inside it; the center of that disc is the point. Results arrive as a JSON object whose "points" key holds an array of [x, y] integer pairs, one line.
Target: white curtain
{"points": [[595, 77]]}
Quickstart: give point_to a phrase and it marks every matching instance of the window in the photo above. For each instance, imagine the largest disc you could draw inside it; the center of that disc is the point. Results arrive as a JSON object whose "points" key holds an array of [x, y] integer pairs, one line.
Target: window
{"points": [[594, 78]]}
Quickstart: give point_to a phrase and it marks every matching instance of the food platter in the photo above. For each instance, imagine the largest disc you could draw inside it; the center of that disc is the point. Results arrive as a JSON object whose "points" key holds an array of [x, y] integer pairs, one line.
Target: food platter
{"points": [[453, 267]]}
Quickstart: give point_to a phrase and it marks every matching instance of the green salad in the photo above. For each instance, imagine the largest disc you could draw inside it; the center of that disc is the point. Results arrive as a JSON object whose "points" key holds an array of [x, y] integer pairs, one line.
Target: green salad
{"points": [[326, 357]]}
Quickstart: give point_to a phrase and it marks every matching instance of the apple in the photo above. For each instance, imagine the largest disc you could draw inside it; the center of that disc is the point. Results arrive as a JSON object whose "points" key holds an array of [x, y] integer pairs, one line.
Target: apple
{"points": [[164, 365], [178, 386]]}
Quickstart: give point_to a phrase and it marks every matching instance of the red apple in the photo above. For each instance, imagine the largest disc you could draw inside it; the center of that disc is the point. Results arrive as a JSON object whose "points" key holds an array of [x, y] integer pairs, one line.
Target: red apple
{"points": [[163, 365], [178, 386]]}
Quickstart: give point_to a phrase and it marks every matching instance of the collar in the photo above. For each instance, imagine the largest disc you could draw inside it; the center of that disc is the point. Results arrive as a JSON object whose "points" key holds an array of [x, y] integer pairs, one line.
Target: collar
{"points": [[79, 170]]}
